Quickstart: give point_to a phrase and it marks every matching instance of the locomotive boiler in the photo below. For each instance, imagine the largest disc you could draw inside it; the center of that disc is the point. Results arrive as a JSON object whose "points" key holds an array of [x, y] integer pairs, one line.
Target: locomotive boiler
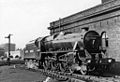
{"points": [[83, 52]]}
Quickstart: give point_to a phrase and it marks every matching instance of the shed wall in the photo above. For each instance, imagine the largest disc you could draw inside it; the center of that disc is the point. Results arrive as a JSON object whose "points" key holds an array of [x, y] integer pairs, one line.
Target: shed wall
{"points": [[108, 21]]}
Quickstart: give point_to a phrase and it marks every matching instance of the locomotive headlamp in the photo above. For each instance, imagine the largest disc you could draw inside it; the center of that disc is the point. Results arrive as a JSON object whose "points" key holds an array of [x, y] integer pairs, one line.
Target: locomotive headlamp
{"points": [[100, 61], [109, 60], [89, 61]]}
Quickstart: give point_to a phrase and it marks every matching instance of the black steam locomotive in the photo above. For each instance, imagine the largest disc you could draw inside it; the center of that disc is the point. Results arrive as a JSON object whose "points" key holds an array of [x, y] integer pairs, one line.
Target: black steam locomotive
{"points": [[72, 52]]}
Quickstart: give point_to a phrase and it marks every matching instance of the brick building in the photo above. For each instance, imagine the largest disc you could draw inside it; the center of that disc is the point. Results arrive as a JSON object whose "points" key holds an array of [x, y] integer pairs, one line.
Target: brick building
{"points": [[103, 17], [5, 47], [104, 1]]}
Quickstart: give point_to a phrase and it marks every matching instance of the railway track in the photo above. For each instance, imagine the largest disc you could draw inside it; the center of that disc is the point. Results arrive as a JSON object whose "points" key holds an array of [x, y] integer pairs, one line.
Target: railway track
{"points": [[61, 76]]}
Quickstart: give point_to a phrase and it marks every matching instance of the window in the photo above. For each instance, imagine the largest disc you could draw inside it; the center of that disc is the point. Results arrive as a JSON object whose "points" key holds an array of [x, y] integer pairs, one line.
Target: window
{"points": [[31, 50], [104, 39], [26, 51]]}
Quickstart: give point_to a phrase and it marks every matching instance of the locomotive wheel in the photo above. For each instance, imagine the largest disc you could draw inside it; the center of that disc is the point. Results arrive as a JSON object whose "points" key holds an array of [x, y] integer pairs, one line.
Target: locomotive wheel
{"points": [[61, 67], [46, 65], [35, 64], [54, 65], [92, 68], [65, 68], [40, 65], [26, 62], [83, 69]]}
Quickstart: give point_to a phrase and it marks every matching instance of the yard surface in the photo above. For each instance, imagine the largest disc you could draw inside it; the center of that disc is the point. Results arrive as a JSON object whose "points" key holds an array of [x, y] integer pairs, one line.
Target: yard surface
{"points": [[11, 74]]}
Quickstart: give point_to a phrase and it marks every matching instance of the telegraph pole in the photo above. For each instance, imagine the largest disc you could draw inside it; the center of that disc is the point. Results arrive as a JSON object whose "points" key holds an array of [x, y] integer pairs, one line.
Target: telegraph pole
{"points": [[9, 41]]}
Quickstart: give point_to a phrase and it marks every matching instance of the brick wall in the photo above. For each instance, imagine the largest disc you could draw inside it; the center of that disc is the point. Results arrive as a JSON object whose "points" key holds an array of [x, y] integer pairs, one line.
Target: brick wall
{"points": [[110, 25], [104, 1]]}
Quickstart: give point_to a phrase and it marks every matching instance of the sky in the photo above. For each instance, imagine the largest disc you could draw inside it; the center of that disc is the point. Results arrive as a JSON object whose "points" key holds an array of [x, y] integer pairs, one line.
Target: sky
{"points": [[27, 20]]}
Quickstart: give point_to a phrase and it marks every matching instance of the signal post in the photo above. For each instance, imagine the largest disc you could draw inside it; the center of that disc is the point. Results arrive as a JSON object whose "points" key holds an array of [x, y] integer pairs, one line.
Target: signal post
{"points": [[9, 41]]}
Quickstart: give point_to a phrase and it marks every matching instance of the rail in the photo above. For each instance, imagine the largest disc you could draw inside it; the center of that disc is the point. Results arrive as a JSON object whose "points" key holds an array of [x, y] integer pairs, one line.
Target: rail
{"points": [[58, 51], [62, 76]]}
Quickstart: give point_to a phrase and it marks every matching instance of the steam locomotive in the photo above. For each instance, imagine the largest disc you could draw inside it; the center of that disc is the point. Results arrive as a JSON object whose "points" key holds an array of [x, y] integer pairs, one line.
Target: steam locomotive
{"points": [[83, 52]]}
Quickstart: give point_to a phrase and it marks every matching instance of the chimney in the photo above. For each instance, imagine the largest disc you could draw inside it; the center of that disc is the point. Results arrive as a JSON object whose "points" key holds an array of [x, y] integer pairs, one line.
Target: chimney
{"points": [[104, 1]]}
